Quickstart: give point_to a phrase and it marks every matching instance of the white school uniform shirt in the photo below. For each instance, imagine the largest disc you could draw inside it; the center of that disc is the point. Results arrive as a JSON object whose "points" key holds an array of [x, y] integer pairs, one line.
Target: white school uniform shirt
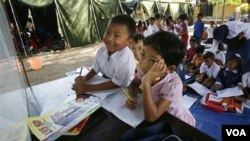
{"points": [[210, 32], [210, 72], [153, 28], [234, 27], [150, 30], [246, 79], [119, 67], [221, 56]]}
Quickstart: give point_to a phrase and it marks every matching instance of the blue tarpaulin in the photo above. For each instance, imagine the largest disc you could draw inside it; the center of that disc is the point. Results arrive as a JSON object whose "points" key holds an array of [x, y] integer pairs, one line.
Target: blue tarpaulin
{"points": [[210, 122]]}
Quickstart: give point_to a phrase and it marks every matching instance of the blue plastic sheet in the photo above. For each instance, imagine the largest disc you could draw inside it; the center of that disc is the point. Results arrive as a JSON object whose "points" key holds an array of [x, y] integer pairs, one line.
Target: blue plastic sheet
{"points": [[211, 122]]}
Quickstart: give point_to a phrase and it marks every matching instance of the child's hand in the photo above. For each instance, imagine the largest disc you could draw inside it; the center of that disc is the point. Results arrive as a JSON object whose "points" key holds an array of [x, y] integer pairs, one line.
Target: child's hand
{"points": [[80, 78], [199, 79], [131, 104], [216, 87], [80, 87], [240, 86], [155, 72]]}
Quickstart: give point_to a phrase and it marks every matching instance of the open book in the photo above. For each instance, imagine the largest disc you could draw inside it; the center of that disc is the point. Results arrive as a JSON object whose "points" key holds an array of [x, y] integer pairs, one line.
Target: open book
{"points": [[62, 118]]}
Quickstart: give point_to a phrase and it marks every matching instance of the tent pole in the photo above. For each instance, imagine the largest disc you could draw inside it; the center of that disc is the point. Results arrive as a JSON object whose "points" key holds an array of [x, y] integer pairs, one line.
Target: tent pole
{"points": [[121, 6], [216, 15], [18, 29], [60, 18], [32, 20], [223, 11], [97, 29]]}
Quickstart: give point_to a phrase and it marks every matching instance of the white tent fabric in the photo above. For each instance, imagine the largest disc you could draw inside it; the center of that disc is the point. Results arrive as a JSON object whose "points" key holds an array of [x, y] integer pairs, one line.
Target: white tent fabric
{"points": [[13, 105]]}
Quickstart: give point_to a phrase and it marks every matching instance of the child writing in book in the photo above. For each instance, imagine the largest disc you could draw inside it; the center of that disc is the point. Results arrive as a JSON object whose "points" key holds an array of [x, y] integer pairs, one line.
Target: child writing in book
{"points": [[193, 67], [111, 59], [231, 75], [208, 70], [160, 84]]}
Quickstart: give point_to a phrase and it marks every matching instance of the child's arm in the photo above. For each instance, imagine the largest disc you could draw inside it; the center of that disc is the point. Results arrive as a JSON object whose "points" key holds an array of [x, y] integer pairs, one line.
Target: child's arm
{"points": [[152, 110], [82, 87], [90, 74], [200, 78], [87, 77], [133, 89]]}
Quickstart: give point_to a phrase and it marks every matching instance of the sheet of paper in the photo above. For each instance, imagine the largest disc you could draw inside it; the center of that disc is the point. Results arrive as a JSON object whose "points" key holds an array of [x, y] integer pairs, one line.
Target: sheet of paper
{"points": [[187, 76], [189, 101], [229, 92], [246, 104], [200, 89], [116, 105]]}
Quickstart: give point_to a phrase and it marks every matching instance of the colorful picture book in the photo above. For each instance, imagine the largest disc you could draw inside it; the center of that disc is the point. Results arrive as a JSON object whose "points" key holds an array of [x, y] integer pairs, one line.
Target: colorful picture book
{"points": [[64, 117]]}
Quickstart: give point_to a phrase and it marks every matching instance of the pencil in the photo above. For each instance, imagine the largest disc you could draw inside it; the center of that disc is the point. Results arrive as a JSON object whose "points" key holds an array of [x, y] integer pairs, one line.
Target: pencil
{"points": [[80, 72], [126, 93]]}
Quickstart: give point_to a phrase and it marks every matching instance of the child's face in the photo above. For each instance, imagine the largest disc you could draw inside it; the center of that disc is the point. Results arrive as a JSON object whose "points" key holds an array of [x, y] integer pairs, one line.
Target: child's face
{"points": [[199, 54], [116, 37], [199, 17], [232, 64], [209, 62], [152, 21], [148, 57], [193, 44], [137, 49]]}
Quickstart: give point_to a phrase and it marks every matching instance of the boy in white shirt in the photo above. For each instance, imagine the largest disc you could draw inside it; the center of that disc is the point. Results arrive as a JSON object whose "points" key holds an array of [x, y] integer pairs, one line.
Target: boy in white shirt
{"points": [[208, 70], [115, 60], [210, 33]]}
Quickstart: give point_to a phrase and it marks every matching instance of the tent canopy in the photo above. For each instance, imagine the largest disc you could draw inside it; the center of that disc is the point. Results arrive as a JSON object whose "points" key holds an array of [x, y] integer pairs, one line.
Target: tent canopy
{"points": [[166, 7], [84, 21], [80, 21]]}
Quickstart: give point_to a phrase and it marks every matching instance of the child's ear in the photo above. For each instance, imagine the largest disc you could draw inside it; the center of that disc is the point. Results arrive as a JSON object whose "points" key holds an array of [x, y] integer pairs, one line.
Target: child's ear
{"points": [[129, 42]]}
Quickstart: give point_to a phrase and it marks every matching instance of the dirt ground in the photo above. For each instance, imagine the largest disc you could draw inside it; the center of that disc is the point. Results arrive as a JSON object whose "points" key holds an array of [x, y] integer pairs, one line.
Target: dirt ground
{"points": [[55, 65]]}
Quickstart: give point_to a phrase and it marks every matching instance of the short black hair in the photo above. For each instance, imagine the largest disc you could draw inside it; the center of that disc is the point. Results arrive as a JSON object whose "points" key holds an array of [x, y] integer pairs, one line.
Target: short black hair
{"points": [[152, 18], [200, 14], [157, 16], [138, 37], [221, 32], [208, 55], [194, 40], [200, 49], [168, 45], [183, 17], [127, 21]]}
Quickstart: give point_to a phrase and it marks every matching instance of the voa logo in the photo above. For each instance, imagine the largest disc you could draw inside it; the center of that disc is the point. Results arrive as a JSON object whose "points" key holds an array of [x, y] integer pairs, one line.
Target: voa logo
{"points": [[236, 132]]}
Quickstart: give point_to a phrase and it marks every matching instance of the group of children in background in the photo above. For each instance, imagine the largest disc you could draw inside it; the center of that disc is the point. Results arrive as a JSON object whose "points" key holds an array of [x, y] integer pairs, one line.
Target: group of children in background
{"points": [[149, 65]]}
